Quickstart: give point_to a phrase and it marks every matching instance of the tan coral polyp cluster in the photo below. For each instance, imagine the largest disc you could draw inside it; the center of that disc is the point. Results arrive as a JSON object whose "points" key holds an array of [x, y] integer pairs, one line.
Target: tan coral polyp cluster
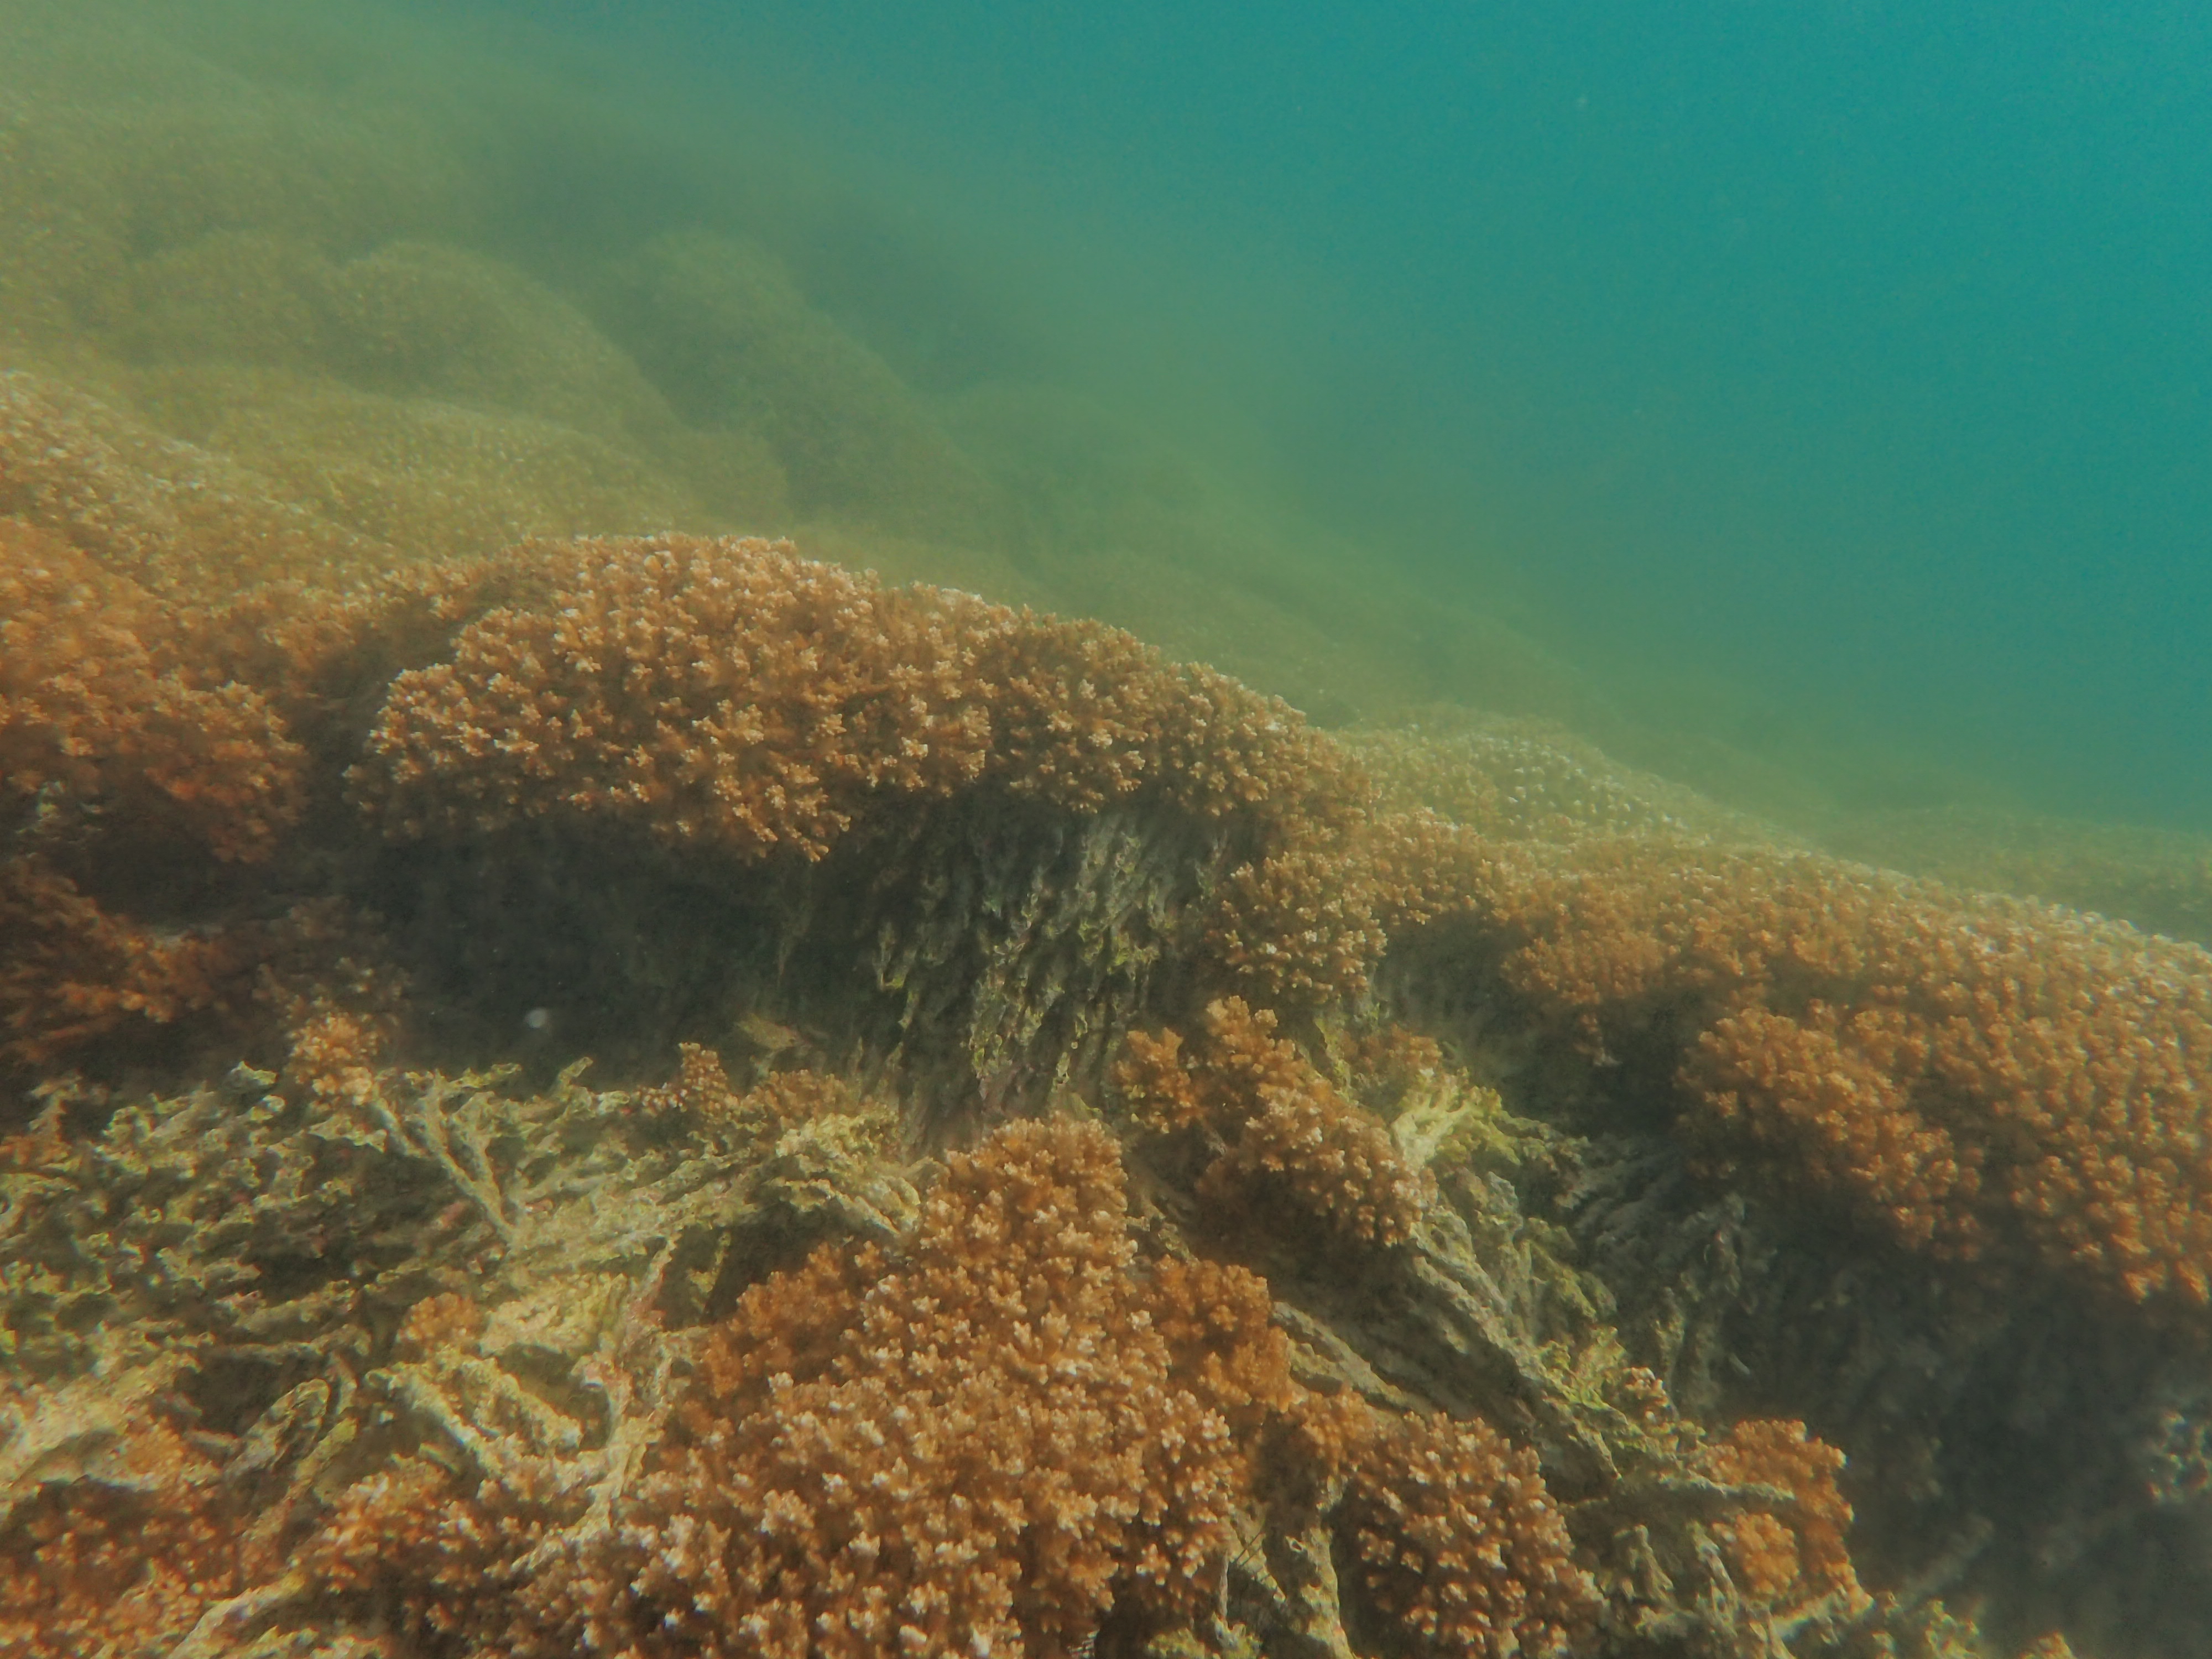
{"points": [[976, 1450], [1790, 1563], [1974, 1075], [729, 694], [1458, 1537], [702, 1093], [1284, 1131], [103, 710]]}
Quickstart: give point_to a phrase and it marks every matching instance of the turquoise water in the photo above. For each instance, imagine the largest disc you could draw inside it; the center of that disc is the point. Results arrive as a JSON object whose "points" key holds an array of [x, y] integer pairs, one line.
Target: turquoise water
{"points": [[1836, 368]]}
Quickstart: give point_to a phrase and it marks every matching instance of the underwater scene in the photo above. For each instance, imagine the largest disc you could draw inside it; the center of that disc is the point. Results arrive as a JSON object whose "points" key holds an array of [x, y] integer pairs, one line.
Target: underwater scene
{"points": [[1117, 833]]}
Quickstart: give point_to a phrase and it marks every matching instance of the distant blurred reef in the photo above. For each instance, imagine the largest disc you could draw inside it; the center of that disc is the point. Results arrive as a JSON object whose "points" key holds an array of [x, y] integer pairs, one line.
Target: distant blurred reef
{"points": [[441, 302], [359, 286]]}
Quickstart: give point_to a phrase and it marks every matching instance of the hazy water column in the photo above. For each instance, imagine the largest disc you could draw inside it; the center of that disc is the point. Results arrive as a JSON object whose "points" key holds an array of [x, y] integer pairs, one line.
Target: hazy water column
{"points": [[1855, 349]]}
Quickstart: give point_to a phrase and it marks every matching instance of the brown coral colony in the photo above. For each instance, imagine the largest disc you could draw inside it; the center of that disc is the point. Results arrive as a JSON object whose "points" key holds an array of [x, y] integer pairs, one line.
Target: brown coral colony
{"points": [[731, 694], [1048, 1405]]}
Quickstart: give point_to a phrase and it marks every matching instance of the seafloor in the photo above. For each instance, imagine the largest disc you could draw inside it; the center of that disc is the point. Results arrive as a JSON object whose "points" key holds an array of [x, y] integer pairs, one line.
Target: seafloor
{"points": [[576, 1088]]}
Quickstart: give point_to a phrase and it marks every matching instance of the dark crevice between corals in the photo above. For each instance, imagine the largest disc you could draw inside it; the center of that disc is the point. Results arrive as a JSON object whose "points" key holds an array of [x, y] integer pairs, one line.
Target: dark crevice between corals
{"points": [[977, 956], [2010, 1434]]}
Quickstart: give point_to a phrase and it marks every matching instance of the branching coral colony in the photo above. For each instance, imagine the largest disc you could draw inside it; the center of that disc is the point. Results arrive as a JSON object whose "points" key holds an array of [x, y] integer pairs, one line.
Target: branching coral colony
{"points": [[1066, 1171]]}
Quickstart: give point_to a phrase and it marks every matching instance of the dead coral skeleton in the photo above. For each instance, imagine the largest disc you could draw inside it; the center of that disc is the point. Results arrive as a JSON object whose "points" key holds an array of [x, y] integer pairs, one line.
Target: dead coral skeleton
{"points": [[174, 1241]]}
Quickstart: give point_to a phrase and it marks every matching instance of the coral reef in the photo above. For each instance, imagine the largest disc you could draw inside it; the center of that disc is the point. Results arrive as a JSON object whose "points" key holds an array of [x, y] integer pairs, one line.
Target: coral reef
{"points": [[681, 1374], [1800, 1562], [1437, 1135], [1977, 1076], [105, 709], [1274, 1128], [734, 694], [1458, 1539], [1078, 1161]]}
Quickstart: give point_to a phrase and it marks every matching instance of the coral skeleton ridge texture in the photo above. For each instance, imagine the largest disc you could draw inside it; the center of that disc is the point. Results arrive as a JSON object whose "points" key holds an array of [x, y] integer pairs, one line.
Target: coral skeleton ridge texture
{"points": [[1080, 1162]]}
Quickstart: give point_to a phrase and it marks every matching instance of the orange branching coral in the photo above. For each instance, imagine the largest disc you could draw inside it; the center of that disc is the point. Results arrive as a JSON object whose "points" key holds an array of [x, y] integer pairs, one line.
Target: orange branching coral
{"points": [[1328, 1159], [1086, 715], [780, 1100], [1791, 1563], [449, 1318], [1389, 1063], [1320, 1439], [1218, 1320], [1458, 1538], [100, 712], [1285, 1132], [123, 1564], [139, 737], [1160, 1091], [1830, 1091], [1307, 925], [1419, 867], [322, 653], [169, 514], [730, 694], [408, 1524], [335, 1053], [977, 1449], [1298, 927], [114, 733], [701, 1088], [1969, 1073], [70, 971], [1297, 1445], [786, 1099]]}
